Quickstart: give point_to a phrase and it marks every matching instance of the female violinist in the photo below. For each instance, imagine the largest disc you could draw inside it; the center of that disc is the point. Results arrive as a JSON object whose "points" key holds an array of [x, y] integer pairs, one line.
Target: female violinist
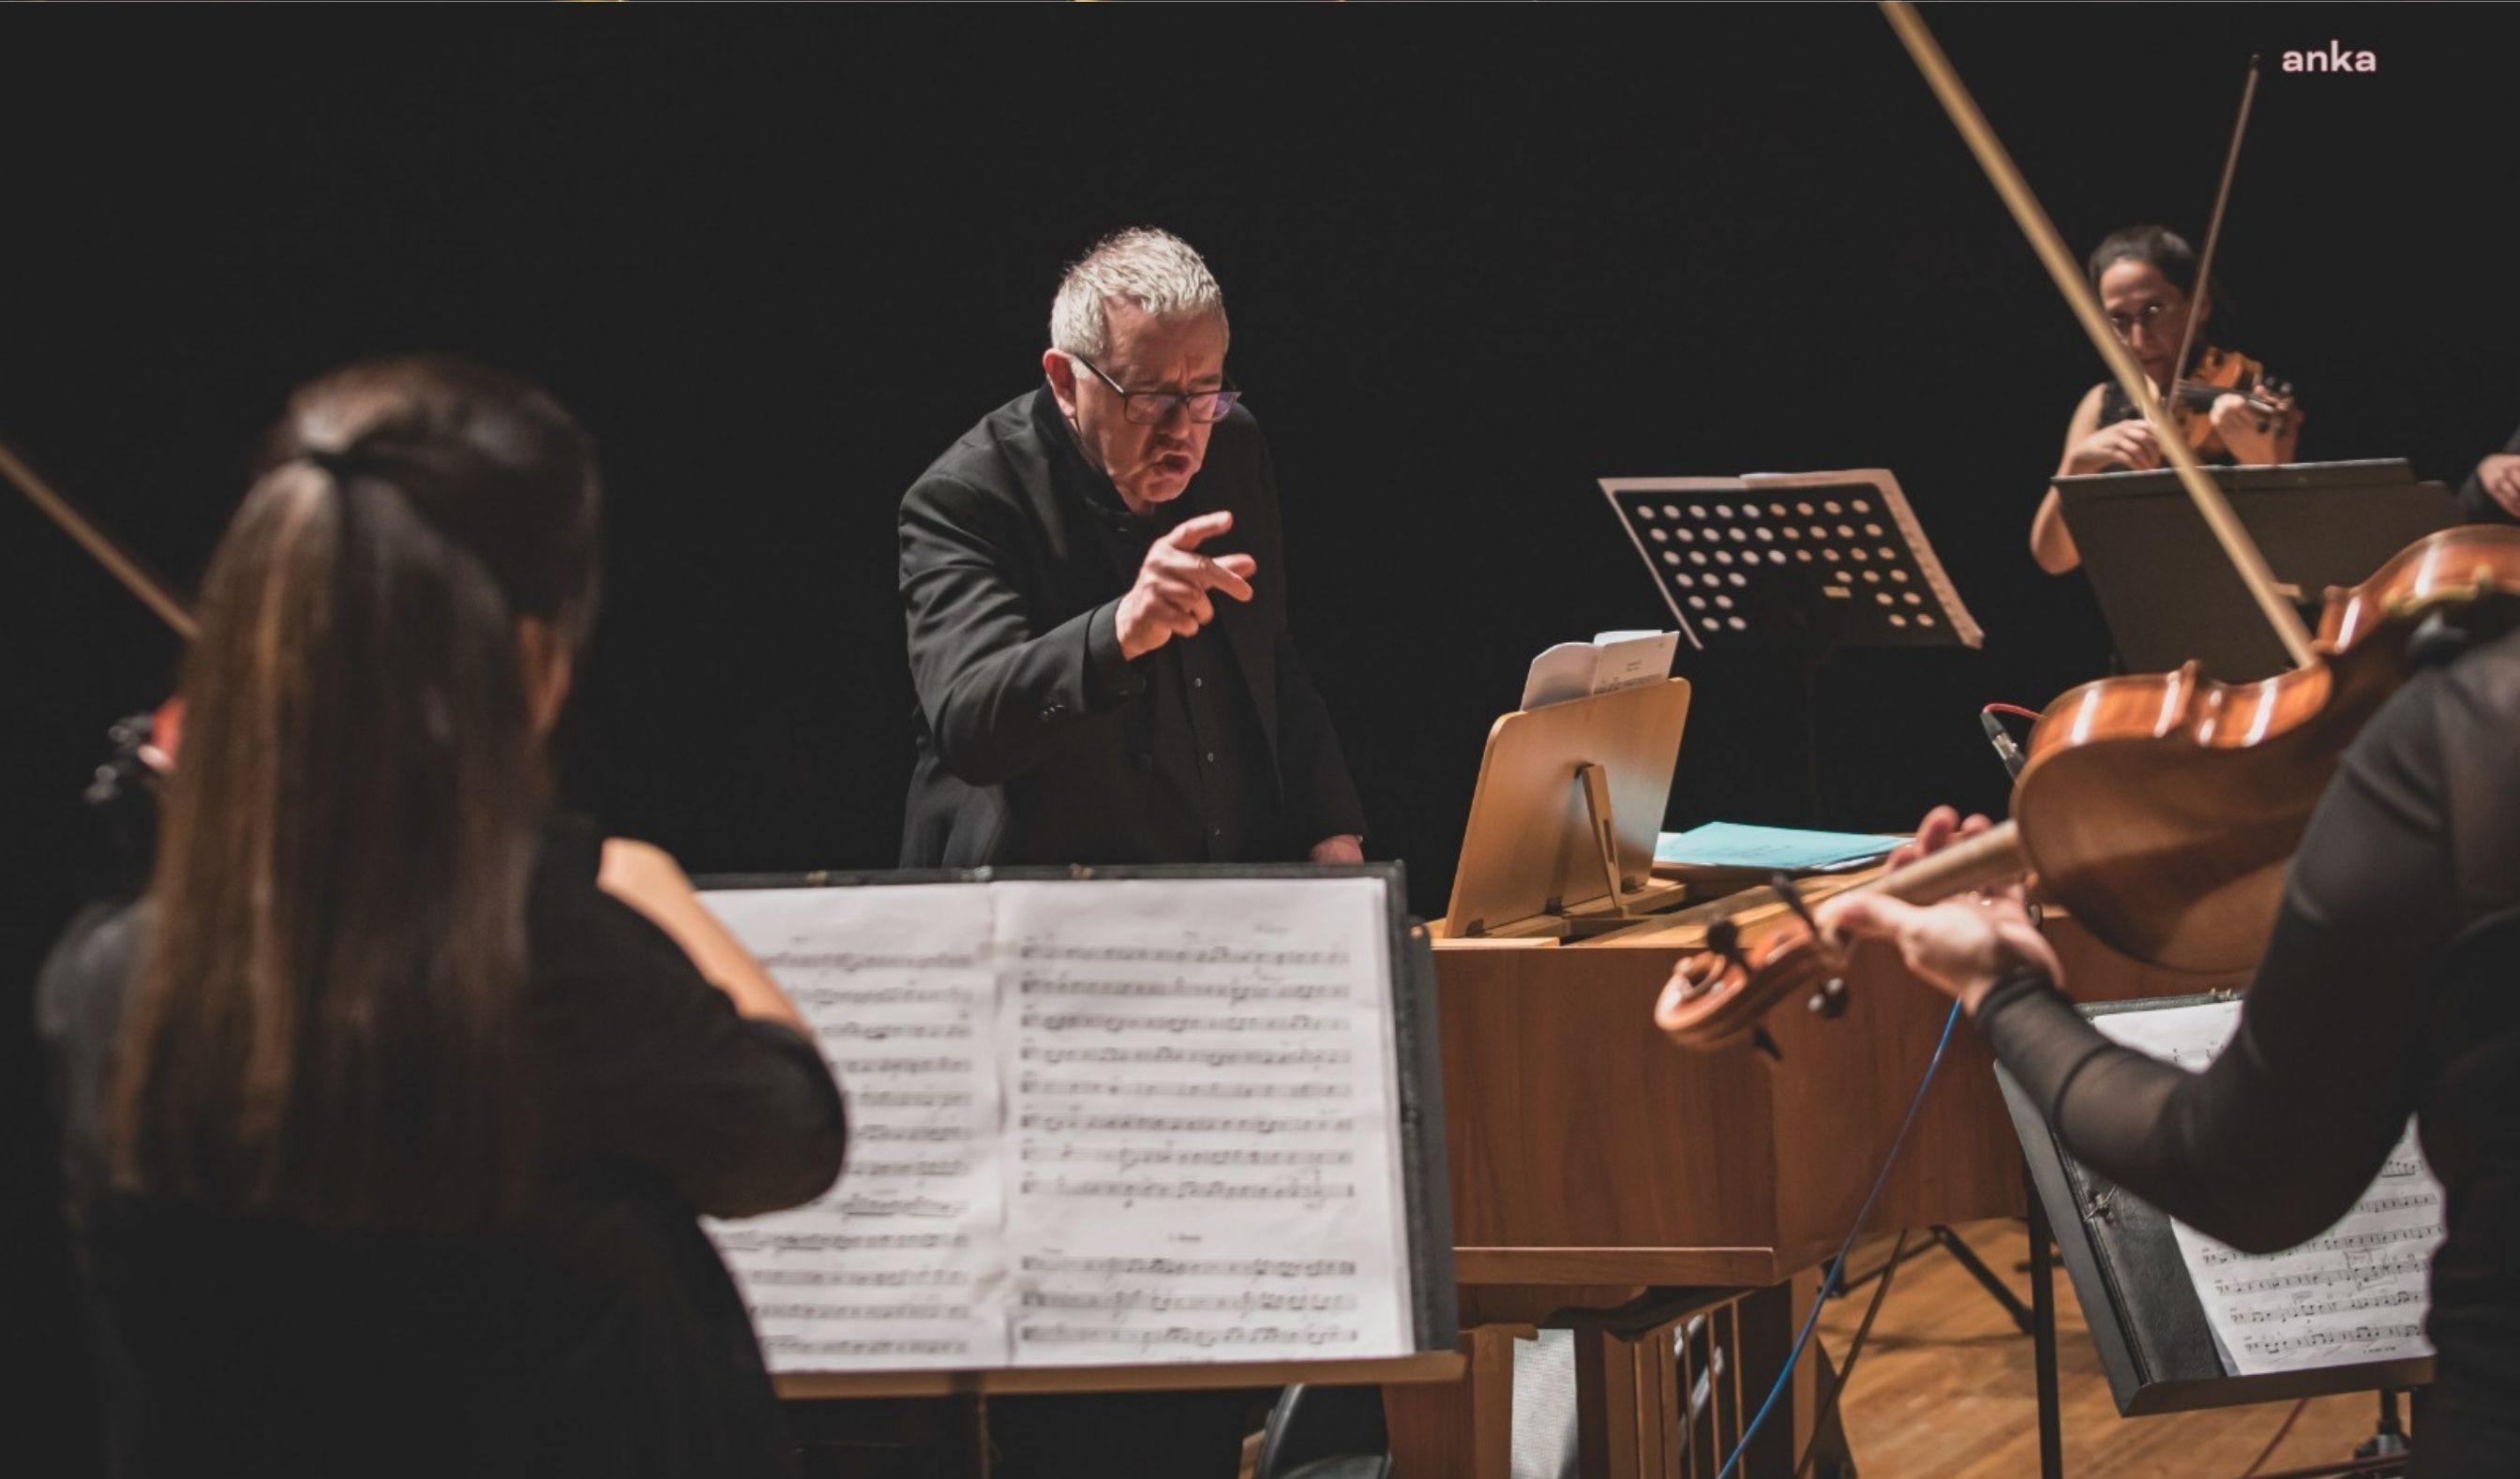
{"points": [[2147, 280], [2385, 990], [388, 1112]]}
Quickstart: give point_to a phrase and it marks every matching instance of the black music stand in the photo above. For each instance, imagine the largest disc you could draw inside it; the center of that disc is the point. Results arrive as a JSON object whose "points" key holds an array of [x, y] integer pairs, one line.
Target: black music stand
{"points": [[1794, 566], [2168, 591], [2145, 1320]]}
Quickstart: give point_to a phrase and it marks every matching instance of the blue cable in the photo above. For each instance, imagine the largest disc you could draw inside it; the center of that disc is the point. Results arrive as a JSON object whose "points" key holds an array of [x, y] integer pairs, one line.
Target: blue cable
{"points": [[1837, 1265]]}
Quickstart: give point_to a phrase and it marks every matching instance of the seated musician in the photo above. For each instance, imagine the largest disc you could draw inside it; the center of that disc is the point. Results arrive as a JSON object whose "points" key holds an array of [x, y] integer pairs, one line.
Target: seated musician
{"points": [[2147, 280], [389, 1109], [2492, 493], [1097, 638], [2387, 988]]}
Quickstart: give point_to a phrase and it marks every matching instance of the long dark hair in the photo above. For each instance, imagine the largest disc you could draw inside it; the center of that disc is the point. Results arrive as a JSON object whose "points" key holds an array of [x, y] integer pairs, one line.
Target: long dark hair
{"points": [[328, 1022]]}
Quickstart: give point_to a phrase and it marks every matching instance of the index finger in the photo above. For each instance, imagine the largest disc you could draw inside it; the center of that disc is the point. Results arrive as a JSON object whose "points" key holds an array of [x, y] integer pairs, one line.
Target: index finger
{"points": [[1191, 533]]}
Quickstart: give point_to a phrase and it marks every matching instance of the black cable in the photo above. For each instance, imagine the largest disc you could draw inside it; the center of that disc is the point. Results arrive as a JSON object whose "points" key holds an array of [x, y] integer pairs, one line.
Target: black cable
{"points": [[1853, 1353]]}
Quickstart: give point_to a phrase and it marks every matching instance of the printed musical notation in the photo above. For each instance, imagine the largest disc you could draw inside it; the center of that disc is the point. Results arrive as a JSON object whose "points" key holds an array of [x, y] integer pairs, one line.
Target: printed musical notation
{"points": [[1218, 1077], [1089, 1119], [2313, 1305], [895, 1265]]}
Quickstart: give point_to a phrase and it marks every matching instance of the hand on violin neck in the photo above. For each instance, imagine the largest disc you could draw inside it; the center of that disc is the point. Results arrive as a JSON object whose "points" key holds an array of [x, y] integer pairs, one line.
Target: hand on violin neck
{"points": [[2500, 476], [2256, 430], [1961, 946]]}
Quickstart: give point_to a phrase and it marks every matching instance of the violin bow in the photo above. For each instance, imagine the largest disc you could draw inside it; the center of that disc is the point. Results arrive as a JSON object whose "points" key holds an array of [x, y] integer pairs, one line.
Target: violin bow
{"points": [[2033, 220], [2213, 233], [118, 561]]}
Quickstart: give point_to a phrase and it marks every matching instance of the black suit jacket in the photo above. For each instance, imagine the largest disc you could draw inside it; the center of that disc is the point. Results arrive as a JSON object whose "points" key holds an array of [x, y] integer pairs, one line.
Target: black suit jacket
{"points": [[1027, 712]]}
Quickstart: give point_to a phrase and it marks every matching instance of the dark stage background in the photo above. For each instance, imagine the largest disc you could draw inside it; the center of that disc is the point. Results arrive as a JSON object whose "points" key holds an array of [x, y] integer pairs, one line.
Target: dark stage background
{"points": [[777, 259]]}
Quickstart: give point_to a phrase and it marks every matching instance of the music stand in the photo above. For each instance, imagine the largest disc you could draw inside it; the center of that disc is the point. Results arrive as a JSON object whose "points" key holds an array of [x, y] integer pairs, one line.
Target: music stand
{"points": [[1792, 565], [1806, 563], [1562, 825], [2170, 594]]}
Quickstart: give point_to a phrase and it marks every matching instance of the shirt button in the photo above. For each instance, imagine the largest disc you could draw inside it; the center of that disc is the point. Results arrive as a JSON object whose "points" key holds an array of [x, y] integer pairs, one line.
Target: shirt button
{"points": [[1216, 831], [1211, 758], [1198, 683]]}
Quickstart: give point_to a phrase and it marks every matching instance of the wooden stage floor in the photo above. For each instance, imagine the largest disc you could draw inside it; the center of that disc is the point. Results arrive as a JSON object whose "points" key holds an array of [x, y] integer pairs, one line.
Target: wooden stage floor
{"points": [[1944, 1390]]}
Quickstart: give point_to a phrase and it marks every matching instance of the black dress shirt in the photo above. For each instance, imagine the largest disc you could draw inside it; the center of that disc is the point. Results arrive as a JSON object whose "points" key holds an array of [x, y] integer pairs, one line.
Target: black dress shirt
{"points": [[1190, 728], [1038, 742], [598, 1336]]}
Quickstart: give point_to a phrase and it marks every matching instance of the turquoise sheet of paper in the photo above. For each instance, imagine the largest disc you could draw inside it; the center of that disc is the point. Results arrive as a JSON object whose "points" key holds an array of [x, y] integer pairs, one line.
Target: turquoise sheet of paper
{"points": [[1733, 844]]}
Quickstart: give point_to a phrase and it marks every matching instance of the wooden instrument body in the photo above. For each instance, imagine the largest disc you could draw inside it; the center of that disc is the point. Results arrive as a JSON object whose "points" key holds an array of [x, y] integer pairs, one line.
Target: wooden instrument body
{"points": [[1590, 1164], [2219, 373], [2160, 810]]}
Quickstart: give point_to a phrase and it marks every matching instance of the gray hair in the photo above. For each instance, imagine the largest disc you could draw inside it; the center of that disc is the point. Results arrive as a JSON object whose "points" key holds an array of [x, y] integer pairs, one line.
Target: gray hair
{"points": [[1153, 269]]}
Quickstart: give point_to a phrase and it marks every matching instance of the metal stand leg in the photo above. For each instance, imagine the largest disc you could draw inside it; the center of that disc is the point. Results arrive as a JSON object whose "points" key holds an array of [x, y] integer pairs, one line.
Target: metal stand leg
{"points": [[2043, 1339], [1995, 1287]]}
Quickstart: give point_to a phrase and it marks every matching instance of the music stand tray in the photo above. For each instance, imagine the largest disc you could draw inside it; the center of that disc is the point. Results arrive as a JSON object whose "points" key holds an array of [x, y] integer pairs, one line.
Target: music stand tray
{"points": [[2170, 594]]}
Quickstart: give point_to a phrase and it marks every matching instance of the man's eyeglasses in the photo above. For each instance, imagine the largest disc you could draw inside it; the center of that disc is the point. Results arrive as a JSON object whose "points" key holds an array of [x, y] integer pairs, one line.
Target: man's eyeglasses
{"points": [[1148, 407], [2149, 315]]}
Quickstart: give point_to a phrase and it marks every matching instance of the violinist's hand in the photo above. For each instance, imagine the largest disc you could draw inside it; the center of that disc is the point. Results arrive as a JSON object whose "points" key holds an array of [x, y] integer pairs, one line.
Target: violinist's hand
{"points": [[2255, 433], [2118, 445], [1171, 598], [1340, 847], [1962, 946], [2500, 476]]}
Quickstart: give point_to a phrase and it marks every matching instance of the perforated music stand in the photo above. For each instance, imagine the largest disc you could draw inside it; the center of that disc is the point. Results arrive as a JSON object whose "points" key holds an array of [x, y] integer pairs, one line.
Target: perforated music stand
{"points": [[2169, 593], [1801, 562]]}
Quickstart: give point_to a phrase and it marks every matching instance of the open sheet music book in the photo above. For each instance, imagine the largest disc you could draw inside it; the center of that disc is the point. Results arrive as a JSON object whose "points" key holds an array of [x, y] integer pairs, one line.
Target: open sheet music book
{"points": [[1096, 1122], [2356, 1292], [1612, 660]]}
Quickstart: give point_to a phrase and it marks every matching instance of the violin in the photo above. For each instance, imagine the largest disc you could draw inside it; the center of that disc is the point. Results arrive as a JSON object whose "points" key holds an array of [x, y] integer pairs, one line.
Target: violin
{"points": [[128, 788], [2161, 811], [2219, 373]]}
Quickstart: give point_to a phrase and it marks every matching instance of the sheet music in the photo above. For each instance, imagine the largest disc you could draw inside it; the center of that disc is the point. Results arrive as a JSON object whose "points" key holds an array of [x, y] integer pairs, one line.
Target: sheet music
{"points": [[1201, 1085], [2356, 1292], [1093, 1122], [899, 1266]]}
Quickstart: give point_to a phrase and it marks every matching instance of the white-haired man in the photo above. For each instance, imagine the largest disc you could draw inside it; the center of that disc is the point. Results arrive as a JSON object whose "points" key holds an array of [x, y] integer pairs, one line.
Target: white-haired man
{"points": [[1097, 605]]}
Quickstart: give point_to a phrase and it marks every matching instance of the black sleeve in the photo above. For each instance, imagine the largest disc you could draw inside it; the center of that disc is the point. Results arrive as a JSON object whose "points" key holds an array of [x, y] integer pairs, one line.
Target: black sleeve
{"points": [[1313, 768], [656, 1071], [2276, 1140], [994, 687], [2477, 506]]}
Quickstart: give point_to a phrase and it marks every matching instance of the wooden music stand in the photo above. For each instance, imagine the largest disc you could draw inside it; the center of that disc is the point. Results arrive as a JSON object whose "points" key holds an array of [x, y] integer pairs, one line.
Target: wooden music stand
{"points": [[1562, 825]]}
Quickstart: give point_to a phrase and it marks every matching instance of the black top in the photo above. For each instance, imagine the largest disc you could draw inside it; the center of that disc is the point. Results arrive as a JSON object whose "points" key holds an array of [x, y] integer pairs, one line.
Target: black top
{"points": [[600, 1335], [2391, 986], [1038, 743]]}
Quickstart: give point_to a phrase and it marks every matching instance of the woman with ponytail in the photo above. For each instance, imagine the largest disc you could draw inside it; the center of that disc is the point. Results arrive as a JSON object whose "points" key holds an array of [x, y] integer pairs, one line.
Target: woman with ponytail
{"points": [[389, 1111]]}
